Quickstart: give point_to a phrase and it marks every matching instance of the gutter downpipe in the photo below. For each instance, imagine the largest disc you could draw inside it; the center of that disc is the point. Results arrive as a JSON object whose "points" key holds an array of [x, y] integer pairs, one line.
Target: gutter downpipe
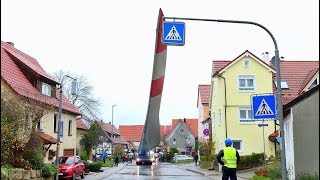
{"points": [[225, 101]]}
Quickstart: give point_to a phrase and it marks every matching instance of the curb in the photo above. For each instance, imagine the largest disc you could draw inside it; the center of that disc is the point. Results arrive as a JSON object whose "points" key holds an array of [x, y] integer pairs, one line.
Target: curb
{"points": [[195, 171]]}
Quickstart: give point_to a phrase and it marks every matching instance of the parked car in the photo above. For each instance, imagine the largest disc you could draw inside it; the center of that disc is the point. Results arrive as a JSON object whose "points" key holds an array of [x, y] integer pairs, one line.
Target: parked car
{"points": [[70, 167], [181, 157]]}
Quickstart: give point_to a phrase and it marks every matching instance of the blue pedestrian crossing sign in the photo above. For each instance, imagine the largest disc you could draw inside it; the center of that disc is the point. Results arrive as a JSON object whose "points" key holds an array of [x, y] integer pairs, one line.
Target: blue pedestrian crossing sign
{"points": [[263, 106], [173, 33]]}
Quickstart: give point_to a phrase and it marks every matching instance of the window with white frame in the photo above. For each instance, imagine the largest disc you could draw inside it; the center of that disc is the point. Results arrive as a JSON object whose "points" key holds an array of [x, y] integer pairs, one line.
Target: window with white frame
{"points": [[237, 144], [220, 117], [46, 89], [213, 119], [245, 115], [246, 83]]}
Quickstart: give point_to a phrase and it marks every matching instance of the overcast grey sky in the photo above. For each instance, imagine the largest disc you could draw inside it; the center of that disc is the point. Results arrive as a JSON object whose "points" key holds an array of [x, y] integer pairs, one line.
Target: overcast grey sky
{"points": [[112, 43]]}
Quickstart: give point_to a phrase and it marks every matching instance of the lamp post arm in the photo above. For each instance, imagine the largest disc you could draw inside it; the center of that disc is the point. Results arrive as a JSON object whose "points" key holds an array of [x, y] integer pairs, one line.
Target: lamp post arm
{"points": [[279, 93]]}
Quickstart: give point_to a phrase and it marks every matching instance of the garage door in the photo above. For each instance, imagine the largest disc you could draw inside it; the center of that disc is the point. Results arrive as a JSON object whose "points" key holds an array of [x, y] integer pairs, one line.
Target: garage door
{"points": [[68, 152]]}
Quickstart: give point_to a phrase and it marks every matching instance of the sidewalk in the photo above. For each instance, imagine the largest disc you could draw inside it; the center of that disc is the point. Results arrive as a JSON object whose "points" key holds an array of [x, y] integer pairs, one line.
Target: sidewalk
{"points": [[107, 171], [214, 174]]}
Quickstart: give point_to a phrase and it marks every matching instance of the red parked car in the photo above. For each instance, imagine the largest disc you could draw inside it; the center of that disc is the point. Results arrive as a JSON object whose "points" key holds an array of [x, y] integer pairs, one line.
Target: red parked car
{"points": [[70, 167]]}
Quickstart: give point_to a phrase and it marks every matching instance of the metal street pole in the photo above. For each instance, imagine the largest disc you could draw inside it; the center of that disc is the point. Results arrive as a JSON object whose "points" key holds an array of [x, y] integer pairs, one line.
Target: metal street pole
{"points": [[112, 130], [279, 93], [264, 145], [59, 124]]}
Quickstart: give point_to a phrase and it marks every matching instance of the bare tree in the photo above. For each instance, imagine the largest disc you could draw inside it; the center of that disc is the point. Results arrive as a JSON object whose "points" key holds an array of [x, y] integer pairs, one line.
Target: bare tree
{"points": [[84, 100]]}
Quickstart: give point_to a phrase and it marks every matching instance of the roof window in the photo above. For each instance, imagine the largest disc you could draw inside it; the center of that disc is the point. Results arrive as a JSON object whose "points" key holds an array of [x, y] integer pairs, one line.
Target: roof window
{"points": [[284, 84]]}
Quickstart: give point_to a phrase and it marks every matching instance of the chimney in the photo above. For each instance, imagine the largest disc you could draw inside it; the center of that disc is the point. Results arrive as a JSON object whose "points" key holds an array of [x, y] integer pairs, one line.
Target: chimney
{"points": [[265, 57], [185, 120], [11, 43], [109, 122]]}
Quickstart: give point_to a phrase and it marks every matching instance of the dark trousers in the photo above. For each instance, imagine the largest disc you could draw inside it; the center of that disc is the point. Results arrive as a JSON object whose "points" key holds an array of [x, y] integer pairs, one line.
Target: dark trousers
{"points": [[232, 173]]}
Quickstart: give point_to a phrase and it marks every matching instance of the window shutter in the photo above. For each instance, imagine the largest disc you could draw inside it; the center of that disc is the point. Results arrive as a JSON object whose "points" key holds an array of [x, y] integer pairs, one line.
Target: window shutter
{"points": [[39, 85]]}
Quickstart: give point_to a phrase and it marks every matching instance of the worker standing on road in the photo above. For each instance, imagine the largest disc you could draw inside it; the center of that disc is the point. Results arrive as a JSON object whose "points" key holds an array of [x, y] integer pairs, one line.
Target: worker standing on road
{"points": [[229, 158]]}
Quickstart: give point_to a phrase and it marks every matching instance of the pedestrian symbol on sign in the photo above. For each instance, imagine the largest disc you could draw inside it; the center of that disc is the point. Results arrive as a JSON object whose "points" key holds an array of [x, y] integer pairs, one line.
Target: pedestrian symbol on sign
{"points": [[264, 109], [263, 106], [173, 34]]}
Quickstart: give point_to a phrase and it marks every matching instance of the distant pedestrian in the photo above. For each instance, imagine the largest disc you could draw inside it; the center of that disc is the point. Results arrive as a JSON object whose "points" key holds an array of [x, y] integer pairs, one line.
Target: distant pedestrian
{"points": [[116, 160], [195, 158], [229, 158]]}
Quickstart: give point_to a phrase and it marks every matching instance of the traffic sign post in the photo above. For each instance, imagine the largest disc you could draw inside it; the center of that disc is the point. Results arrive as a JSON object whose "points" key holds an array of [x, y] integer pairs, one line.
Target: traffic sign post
{"points": [[263, 106], [173, 33], [264, 145]]}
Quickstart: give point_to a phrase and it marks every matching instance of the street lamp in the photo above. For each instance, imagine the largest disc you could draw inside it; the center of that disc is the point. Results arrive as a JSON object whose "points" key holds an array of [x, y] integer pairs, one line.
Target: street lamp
{"points": [[112, 129], [74, 91]]}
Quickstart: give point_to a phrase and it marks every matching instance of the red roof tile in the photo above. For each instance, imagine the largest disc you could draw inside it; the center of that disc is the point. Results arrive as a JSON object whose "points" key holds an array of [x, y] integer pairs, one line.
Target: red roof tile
{"points": [[81, 124], [108, 128], [297, 74], [204, 91], [47, 139], [12, 74], [191, 123], [133, 132]]}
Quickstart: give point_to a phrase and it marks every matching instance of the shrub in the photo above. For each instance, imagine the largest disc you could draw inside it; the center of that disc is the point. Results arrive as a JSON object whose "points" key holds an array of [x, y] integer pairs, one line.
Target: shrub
{"points": [[33, 151], [95, 166], [307, 176], [83, 156], [107, 164], [36, 162], [262, 172], [185, 161], [49, 170], [261, 178], [4, 173], [274, 170]]}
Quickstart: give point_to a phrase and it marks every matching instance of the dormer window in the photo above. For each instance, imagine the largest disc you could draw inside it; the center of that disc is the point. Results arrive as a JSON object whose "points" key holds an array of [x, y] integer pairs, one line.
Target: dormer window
{"points": [[284, 84], [46, 89]]}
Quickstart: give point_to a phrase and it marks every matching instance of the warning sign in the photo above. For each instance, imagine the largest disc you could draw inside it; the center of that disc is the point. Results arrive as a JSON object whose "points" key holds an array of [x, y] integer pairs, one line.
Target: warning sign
{"points": [[263, 106], [173, 34], [264, 109]]}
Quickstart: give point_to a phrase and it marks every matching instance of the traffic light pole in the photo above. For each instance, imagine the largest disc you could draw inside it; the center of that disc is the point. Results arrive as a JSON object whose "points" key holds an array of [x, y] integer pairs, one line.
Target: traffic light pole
{"points": [[279, 93]]}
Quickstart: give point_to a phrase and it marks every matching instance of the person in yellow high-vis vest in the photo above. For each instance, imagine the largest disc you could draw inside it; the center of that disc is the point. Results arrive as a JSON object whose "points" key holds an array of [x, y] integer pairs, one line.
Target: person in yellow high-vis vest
{"points": [[228, 157]]}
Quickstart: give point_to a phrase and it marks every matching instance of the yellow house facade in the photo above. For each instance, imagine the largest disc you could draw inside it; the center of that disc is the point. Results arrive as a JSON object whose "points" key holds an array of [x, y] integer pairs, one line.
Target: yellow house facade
{"points": [[233, 83], [23, 76]]}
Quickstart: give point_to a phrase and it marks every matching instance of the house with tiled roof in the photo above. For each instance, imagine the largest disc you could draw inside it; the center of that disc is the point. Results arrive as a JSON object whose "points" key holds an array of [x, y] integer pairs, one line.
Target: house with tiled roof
{"points": [[203, 110], [183, 136], [111, 136], [235, 81], [81, 129], [23, 76], [132, 133]]}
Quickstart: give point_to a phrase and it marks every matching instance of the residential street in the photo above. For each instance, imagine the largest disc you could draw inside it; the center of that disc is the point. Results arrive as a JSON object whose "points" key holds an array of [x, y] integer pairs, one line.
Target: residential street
{"points": [[162, 171]]}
